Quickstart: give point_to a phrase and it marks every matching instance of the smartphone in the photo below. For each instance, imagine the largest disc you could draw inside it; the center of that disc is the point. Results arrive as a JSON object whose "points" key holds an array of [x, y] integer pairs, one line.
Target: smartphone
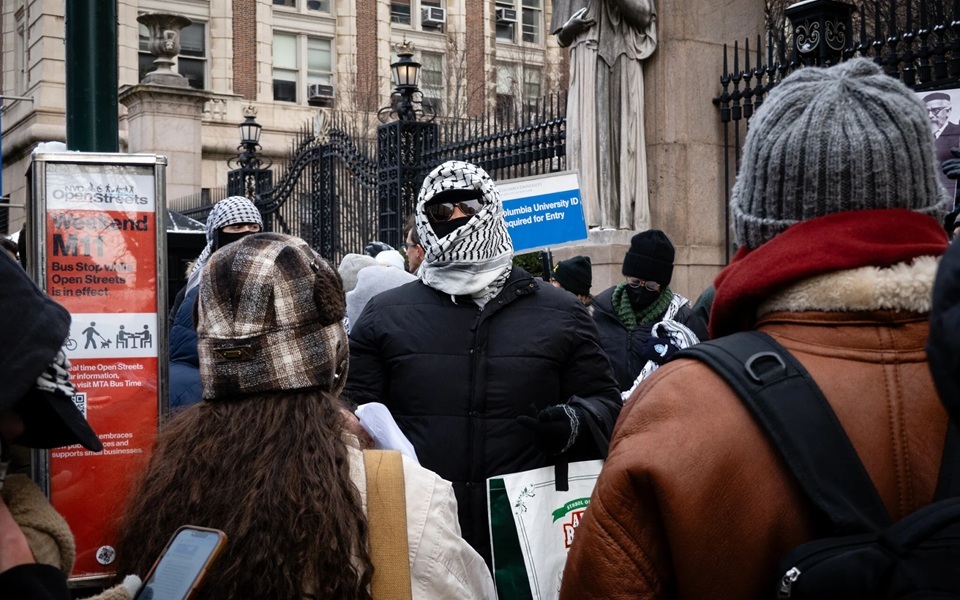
{"points": [[182, 564]]}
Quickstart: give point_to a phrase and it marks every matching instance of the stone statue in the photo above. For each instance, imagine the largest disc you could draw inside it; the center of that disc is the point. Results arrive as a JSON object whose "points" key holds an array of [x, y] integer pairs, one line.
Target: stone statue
{"points": [[608, 39]]}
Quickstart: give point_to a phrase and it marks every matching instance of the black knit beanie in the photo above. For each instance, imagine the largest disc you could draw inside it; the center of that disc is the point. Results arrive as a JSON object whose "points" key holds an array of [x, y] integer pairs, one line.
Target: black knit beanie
{"points": [[575, 274], [650, 257]]}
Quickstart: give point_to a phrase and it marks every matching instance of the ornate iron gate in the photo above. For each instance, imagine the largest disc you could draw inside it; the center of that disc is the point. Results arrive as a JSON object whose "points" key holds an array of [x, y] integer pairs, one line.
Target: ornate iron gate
{"points": [[334, 192], [304, 203]]}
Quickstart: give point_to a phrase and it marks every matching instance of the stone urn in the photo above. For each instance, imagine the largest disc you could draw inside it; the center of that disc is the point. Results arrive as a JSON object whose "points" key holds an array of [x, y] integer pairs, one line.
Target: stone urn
{"points": [[164, 29]]}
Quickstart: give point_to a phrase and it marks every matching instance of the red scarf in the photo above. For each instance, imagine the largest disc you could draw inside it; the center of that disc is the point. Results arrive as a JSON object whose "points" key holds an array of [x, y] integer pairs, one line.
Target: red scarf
{"points": [[837, 242]]}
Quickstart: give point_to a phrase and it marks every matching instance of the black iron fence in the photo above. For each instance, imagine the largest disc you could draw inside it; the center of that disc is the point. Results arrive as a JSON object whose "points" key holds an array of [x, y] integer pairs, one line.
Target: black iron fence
{"points": [[4, 214], [509, 144], [506, 144], [198, 206], [307, 201], [338, 190], [916, 41]]}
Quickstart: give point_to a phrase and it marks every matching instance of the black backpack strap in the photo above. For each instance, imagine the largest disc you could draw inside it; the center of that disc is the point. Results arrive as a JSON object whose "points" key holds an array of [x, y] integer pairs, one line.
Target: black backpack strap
{"points": [[790, 407], [948, 484]]}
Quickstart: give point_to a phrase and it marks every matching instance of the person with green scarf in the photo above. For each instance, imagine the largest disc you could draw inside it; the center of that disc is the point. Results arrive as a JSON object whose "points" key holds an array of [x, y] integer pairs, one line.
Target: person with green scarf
{"points": [[626, 313]]}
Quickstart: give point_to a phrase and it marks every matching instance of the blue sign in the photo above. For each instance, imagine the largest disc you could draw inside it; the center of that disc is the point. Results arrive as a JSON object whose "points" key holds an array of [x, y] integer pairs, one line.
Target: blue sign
{"points": [[543, 211]]}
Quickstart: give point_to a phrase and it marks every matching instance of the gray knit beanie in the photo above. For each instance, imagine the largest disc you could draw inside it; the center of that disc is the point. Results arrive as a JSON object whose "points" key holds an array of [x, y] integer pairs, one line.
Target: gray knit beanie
{"points": [[831, 140]]}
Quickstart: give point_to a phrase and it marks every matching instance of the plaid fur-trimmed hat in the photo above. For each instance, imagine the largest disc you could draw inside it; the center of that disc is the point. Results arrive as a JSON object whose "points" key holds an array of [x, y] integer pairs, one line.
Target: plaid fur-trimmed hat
{"points": [[270, 317]]}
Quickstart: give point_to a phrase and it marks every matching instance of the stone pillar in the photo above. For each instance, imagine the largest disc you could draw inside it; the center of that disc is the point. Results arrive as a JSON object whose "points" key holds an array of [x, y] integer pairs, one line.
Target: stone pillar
{"points": [[685, 147], [167, 120]]}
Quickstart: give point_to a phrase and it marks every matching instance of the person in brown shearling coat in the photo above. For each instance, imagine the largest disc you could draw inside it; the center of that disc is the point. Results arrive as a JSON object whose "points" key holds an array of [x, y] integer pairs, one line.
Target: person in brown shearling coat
{"points": [[837, 221]]}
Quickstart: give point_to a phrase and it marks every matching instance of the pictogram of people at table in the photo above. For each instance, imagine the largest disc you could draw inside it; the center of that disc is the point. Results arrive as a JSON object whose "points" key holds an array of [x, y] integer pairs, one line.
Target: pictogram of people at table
{"points": [[136, 339]]}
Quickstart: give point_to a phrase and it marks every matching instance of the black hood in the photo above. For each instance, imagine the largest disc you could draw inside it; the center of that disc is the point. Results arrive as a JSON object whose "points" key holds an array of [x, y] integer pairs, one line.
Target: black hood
{"points": [[33, 328]]}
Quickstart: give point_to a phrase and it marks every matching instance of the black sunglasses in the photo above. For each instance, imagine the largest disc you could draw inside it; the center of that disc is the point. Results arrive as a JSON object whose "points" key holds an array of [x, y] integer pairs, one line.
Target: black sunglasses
{"points": [[442, 211]]}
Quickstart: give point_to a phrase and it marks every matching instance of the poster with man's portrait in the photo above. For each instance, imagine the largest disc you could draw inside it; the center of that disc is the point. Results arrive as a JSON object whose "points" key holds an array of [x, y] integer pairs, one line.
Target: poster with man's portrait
{"points": [[943, 110]]}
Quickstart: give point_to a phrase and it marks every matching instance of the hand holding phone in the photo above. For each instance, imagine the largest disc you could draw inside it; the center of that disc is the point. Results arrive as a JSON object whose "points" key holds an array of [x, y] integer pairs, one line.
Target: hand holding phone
{"points": [[182, 564]]}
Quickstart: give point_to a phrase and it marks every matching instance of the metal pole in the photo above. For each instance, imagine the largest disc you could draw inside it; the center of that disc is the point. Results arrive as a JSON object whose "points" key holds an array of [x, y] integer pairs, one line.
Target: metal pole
{"points": [[91, 65], [546, 259]]}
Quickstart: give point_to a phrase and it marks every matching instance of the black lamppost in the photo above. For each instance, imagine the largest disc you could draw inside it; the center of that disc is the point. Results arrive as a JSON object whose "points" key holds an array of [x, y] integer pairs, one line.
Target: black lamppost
{"points": [[406, 101], [407, 136], [250, 174]]}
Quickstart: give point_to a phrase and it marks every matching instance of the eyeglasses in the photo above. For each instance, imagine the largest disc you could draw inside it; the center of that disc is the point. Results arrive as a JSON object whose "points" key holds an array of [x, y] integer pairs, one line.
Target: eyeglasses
{"points": [[409, 245], [936, 110], [650, 286], [442, 211]]}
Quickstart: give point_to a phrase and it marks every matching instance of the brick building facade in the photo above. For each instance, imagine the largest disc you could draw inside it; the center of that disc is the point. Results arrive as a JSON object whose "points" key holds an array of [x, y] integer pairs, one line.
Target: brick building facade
{"points": [[288, 58]]}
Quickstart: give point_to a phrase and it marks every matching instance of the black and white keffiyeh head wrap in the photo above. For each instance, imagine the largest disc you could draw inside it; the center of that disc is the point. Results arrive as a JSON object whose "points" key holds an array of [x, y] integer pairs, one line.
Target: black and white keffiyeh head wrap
{"points": [[232, 210], [476, 258]]}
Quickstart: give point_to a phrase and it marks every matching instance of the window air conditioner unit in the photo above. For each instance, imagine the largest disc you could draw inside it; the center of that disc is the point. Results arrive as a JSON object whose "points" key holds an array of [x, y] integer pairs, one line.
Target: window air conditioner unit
{"points": [[506, 15], [433, 16], [318, 92]]}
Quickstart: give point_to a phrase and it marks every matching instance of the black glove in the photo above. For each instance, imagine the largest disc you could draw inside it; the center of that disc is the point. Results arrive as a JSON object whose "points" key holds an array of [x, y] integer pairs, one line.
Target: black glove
{"points": [[658, 349], [951, 166], [555, 428]]}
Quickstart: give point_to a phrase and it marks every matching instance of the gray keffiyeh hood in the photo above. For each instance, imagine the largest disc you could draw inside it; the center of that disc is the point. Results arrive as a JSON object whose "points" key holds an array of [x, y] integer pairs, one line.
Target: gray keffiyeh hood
{"points": [[229, 211], [476, 258]]}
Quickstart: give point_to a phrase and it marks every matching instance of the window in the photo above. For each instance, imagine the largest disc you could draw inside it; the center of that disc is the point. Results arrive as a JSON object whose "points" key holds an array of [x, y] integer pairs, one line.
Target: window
{"points": [[429, 20], [505, 28], [192, 61], [319, 61], [532, 15], [400, 11], [319, 5], [506, 90], [431, 80], [20, 83], [285, 67], [531, 88], [290, 52]]}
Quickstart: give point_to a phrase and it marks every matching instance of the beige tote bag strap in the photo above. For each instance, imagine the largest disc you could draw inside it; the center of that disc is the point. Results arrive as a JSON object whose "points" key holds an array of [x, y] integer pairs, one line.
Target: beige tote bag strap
{"points": [[387, 519]]}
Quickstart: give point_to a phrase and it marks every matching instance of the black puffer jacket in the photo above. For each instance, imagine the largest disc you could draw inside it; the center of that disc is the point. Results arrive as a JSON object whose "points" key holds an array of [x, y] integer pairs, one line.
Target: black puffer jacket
{"points": [[943, 347], [456, 378], [623, 346]]}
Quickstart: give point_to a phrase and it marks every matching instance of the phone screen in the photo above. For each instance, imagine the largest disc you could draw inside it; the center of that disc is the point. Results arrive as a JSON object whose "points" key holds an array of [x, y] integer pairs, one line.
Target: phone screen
{"points": [[186, 555]]}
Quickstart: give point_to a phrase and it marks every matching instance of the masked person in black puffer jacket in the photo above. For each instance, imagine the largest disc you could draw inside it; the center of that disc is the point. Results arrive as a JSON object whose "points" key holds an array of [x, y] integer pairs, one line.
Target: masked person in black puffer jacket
{"points": [[627, 312], [486, 369]]}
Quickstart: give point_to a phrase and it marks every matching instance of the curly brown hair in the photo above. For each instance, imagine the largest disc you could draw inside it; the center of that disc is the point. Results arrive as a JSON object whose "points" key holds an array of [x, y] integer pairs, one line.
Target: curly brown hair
{"points": [[273, 473]]}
